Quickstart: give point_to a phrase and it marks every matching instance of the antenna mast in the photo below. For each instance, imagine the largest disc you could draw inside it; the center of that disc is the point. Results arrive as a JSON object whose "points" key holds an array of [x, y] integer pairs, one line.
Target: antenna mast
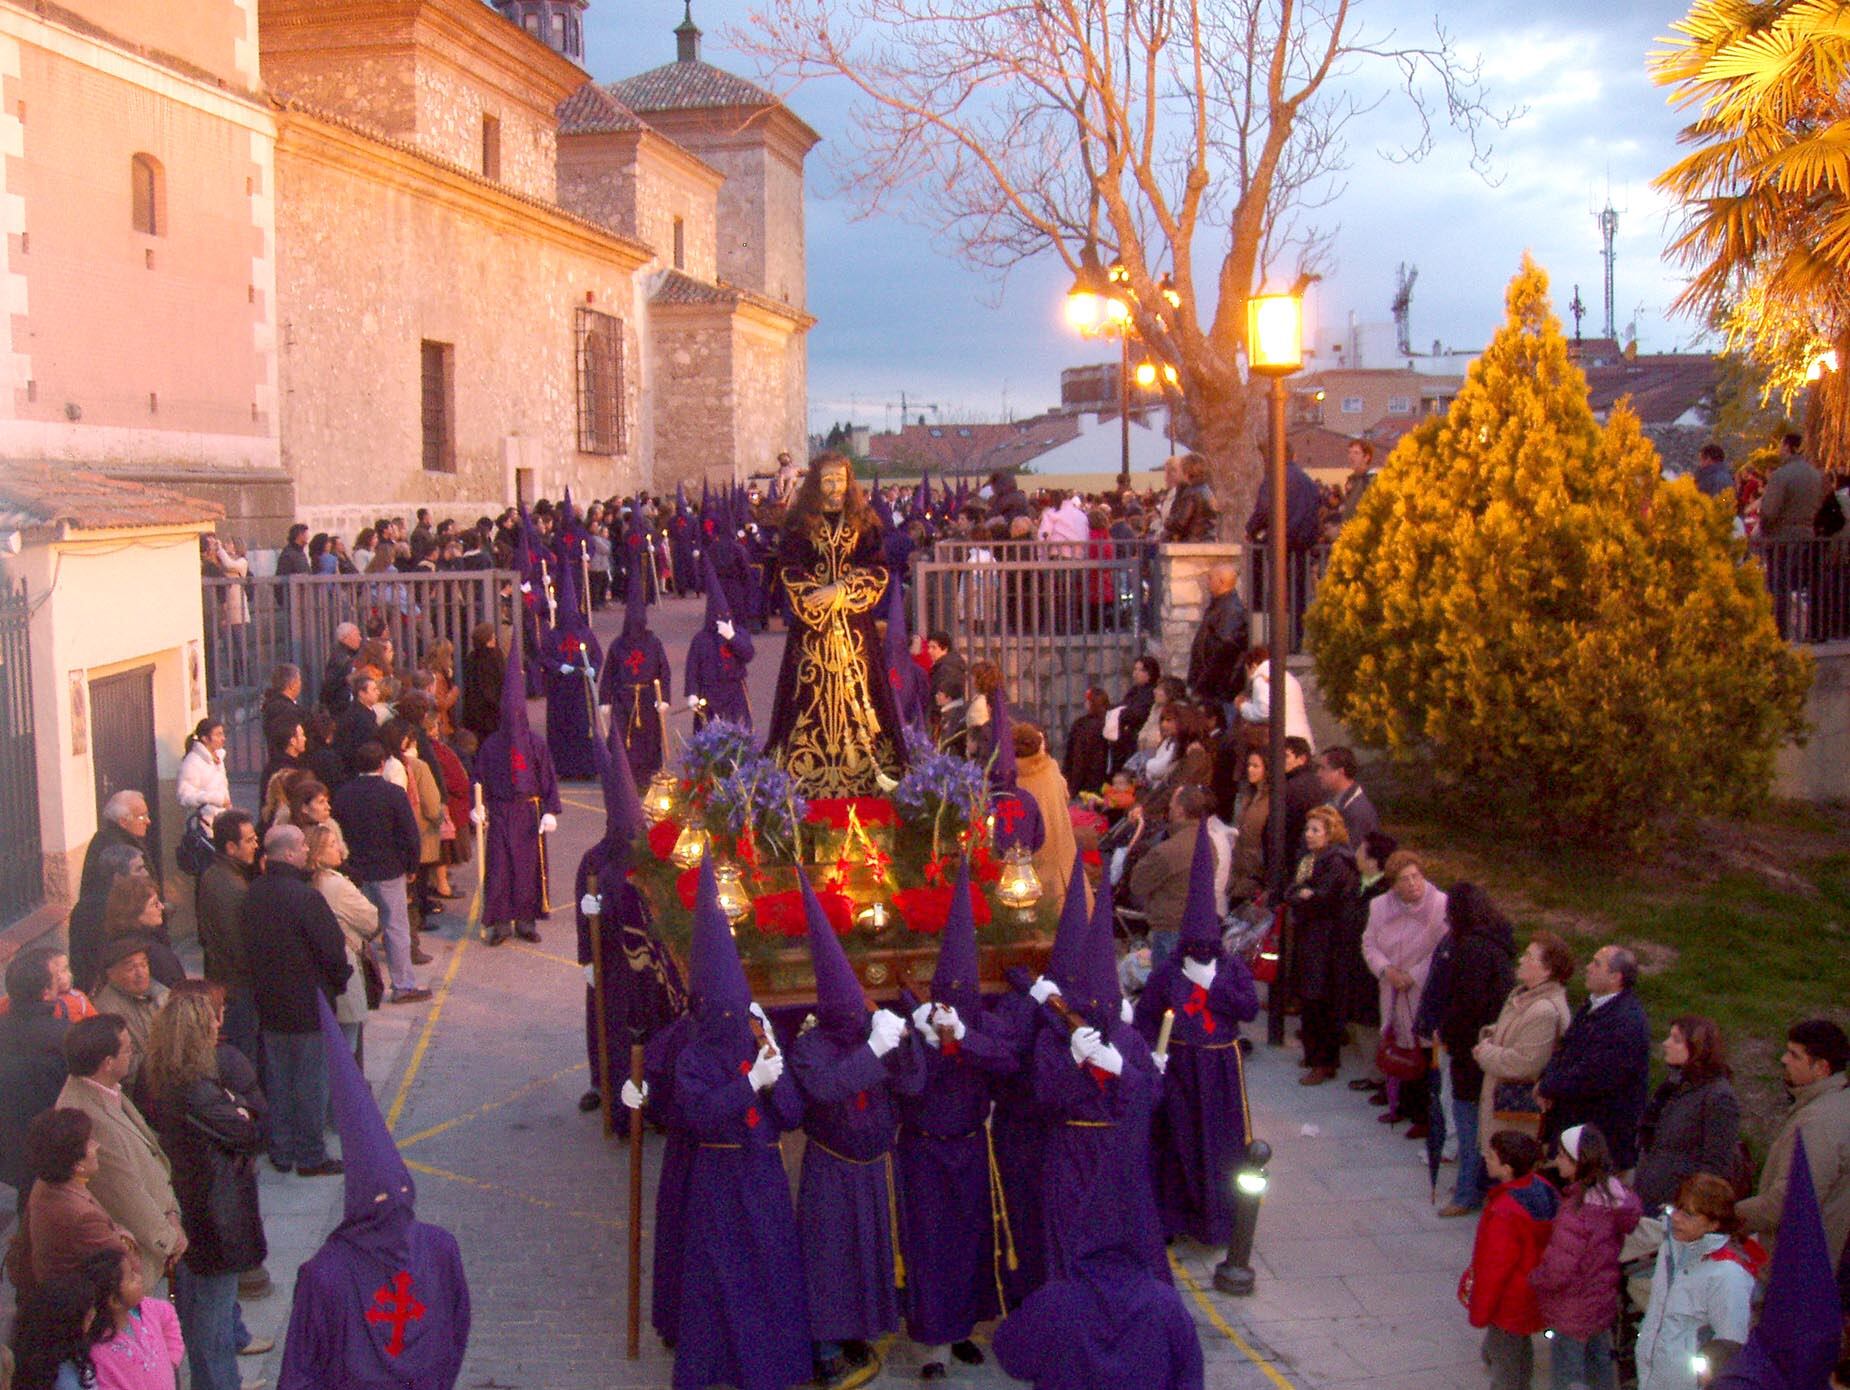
{"points": [[1403, 307], [1609, 234]]}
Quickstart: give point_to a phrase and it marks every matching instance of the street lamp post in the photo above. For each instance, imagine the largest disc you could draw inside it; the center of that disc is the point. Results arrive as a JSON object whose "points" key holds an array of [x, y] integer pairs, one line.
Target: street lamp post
{"points": [[1234, 1274], [1275, 349]]}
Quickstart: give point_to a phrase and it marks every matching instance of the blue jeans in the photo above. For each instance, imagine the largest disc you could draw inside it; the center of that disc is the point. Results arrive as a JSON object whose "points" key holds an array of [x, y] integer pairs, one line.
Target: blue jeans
{"points": [[1584, 1365], [1473, 1183], [1163, 944], [388, 895], [240, 1028], [295, 1072], [207, 1305]]}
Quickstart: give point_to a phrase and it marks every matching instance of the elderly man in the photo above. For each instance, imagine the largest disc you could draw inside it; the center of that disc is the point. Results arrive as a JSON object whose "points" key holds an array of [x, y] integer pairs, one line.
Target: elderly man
{"points": [[1600, 1074], [133, 1182], [1159, 883], [1215, 657], [334, 692], [125, 825], [130, 992], [295, 949]]}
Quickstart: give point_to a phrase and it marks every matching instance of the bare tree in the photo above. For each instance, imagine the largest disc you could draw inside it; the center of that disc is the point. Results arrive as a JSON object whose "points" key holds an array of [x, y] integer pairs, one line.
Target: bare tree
{"points": [[1205, 134]]}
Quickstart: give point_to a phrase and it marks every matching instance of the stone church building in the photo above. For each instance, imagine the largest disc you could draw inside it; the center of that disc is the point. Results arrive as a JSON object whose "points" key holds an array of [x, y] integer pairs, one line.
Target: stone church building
{"points": [[322, 259]]}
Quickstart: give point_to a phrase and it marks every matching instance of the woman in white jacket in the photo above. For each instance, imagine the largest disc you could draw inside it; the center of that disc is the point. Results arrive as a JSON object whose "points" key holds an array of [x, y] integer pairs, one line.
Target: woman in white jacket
{"points": [[203, 784], [1702, 1291]]}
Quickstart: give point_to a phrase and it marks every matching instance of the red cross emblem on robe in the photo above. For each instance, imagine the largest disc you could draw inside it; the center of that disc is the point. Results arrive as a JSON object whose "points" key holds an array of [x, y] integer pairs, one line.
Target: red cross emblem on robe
{"points": [[394, 1304]]}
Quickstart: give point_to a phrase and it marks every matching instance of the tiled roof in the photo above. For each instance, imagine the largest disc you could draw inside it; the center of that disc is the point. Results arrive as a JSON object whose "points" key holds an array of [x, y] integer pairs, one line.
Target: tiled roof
{"points": [[592, 110], [677, 288], [1030, 439], [938, 447], [48, 494], [688, 86], [1663, 387]]}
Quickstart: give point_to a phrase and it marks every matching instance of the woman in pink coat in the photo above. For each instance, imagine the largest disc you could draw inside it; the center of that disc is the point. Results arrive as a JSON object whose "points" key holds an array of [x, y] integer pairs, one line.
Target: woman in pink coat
{"points": [[1577, 1281], [1405, 926]]}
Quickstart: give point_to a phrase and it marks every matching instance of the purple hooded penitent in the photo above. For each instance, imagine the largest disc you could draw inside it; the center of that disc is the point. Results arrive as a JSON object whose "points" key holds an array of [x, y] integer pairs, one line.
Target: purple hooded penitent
{"points": [[519, 785], [911, 686], [1018, 815], [384, 1302], [569, 661], [1795, 1343], [636, 675], [1066, 964], [1200, 921], [841, 1003], [955, 980], [716, 665]]}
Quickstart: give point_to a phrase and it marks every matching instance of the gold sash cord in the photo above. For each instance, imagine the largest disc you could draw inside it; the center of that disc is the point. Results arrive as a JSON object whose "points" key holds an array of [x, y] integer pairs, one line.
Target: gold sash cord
{"points": [[545, 888], [892, 1202], [999, 1217]]}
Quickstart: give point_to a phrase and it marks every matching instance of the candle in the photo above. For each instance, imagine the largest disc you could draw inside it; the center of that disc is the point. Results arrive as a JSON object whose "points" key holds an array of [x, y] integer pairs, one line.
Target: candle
{"points": [[1162, 1037]]}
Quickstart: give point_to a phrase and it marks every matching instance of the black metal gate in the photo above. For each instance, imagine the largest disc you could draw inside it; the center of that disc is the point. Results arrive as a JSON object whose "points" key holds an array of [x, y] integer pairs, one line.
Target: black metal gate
{"points": [[1055, 616], [122, 743], [22, 872]]}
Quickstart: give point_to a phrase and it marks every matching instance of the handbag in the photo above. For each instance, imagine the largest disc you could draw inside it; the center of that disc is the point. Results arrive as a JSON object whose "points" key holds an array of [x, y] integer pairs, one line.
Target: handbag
{"points": [[193, 855], [1514, 1098], [1265, 959], [1395, 1060], [372, 979]]}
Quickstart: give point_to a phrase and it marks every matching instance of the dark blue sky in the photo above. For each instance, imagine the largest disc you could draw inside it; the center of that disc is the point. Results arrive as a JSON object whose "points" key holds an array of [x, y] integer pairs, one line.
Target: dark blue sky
{"points": [[899, 313]]}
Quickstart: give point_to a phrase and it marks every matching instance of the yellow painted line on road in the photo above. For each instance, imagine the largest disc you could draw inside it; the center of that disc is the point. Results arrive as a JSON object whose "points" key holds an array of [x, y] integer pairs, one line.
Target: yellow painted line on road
{"points": [[430, 1029], [492, 1105], [527, 950], [581, 805], [484, 1186], [1221, 1325]]}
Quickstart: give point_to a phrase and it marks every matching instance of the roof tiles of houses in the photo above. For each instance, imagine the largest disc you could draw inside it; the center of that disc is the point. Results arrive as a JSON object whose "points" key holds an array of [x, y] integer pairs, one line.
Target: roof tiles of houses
{"points": [[688, 86], [34, 495], [592, 110]]}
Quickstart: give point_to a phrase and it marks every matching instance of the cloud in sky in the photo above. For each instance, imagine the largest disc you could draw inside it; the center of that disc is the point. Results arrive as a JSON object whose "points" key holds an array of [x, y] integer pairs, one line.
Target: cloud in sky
{"points": [[898, 313]]}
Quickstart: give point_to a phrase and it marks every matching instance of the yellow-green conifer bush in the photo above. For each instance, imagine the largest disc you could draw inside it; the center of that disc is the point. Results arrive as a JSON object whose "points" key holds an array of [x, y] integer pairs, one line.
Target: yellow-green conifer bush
{"points": [[1523, 601]]}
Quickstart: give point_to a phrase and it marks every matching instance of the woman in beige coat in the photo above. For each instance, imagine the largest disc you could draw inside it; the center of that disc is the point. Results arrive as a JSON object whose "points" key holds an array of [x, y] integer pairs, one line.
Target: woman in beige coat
{"points": [[1037, 774], [358, 918], [1518, 1045]]}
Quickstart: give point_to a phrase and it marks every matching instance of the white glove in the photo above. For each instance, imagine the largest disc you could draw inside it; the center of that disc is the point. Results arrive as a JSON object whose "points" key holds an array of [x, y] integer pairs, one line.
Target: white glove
{"points": [[764, 1019], [591, 904], [945, 1019], [548, 823], [921, 1017], [663, 707], [1200, 972], [725, 629], [1083, 1041], [1106, 1058], [693, 702], [478, 815], [1127, 1011], [885, 1031], [1162, 1062], [604, 713], [1042, 990], [766, 1070], [566, 670], [526, 588], [634, 1096], [591, 976]]}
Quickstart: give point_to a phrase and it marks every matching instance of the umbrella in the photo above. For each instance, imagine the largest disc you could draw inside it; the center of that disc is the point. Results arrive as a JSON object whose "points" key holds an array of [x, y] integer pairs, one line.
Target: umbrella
{"points": [[1435, 1121]]}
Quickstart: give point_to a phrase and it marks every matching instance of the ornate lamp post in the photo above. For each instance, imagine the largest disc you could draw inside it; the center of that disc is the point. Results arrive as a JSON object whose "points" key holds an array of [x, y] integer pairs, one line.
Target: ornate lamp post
{"points": [[1275, 349]]}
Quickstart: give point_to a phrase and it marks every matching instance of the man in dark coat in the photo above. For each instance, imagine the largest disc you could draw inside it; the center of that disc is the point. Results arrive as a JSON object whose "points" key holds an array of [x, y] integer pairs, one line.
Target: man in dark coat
{"points": [[382, 837], [297, 955], [1336, 769], [335, 694], [570, 657], [1201, 1131], [1215, 658], [358, 724], [636, 687], [1600, 1073], [217, 900], [747, 1322], [717, 659], [1302, 791], [849, 1069], [1303, 530], [32, 1069], [124, 825], [521, 795], [384, 1304], [292, 559]]}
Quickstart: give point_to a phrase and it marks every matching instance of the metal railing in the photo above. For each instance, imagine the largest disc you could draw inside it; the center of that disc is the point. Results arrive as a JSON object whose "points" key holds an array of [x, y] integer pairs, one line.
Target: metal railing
{"points": [[1055, 616], [253, 625], [22, 872], [1808, 582], [1304, 571]]}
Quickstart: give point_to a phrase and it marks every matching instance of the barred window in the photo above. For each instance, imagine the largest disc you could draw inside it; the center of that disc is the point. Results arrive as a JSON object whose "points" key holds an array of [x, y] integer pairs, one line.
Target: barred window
{"points": [[438, 372], [600, 383]]}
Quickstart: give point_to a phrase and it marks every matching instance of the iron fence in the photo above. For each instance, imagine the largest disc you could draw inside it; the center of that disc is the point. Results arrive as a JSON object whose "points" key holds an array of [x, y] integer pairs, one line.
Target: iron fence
{"points": [[1808, 582], [22, 874], [1304, 571], [253, 625], [1054, 616]]}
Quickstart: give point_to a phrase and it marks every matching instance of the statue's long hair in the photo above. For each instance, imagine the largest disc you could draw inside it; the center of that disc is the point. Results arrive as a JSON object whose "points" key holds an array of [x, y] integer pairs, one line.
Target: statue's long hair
{"points": [[806, 515]]}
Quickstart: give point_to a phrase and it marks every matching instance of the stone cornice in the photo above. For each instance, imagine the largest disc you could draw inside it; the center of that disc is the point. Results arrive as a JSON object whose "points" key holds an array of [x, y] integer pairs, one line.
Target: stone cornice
{"points": [[774, 127], [633, 144], [340, 143]]}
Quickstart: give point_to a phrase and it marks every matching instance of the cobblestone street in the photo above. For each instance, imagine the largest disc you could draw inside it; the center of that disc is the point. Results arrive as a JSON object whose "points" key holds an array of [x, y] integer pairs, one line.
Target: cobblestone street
{"points": [[1356, 1274]]}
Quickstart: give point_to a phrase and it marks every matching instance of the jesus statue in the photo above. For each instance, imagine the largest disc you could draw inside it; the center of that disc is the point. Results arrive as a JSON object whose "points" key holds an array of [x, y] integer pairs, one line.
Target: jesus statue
{"points": [[835, 727]]}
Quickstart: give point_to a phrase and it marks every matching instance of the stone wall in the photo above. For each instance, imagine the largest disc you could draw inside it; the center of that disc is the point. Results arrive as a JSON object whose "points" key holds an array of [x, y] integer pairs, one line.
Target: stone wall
{"points": [[692, 430], [1819, 770], [450, 105], [380, 251], [761, 369], [785, 252], [1182, 586], [667, 188]]}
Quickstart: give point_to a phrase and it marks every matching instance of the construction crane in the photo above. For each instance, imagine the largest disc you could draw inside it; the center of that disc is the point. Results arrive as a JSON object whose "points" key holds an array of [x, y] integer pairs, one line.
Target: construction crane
{"points": [[1403, 308], [905, 405]]}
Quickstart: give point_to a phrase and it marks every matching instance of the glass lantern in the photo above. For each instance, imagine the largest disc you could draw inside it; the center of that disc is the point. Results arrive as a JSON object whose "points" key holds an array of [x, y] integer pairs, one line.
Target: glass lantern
{"points": [[690, 847], [1019, 887], [661, 797], [734, 901], [874, 919]]}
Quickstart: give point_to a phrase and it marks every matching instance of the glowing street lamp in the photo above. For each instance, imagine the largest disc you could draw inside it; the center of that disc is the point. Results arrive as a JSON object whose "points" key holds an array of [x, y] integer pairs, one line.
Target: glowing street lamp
{"points": [[1234, 1274], [1275, 349], [1085, 302]]}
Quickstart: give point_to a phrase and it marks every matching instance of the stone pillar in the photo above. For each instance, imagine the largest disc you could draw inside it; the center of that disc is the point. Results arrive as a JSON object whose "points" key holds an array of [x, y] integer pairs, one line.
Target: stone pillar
{"points": [[1182, 594]]}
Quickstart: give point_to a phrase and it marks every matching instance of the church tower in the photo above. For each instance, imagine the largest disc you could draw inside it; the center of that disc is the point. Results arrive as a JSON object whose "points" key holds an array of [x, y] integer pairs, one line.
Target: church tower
{"points": [[556, 23]]}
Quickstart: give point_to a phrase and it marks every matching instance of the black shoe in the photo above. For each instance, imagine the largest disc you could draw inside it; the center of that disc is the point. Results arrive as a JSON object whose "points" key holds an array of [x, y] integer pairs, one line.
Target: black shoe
{"points": [[408, 996], [1379, 1097], [967, 1352], [1367, 1083], [527, 933], [282, 1167], [589, 1101], [934, 1370], [857, 1353], [420, 958], [327, 1168], [495, 938]]}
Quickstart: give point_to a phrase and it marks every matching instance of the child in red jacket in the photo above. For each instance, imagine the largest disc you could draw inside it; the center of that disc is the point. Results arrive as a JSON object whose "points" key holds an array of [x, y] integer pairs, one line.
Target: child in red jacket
{"points": [[1511, 1235]]}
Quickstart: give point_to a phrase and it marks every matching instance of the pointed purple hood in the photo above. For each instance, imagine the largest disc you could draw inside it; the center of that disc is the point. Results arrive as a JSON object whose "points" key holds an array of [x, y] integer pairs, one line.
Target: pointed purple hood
{"points": [[954, 981], [624, 821], [719, 610], [514, 700], [1101, 994], [841, 1004], [380, 1199], [1200, 919], [1002, 768], [635, 604], [1066, 964], [716, 977], [680, 499], [569, 619]]}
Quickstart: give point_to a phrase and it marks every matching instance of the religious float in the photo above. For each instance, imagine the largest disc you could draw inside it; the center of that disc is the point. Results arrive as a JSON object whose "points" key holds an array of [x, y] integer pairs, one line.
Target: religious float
{"points": [[882, 866]]}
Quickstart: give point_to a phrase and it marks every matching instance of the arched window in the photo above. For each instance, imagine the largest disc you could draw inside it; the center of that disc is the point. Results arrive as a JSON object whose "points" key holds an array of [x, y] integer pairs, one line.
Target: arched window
{"points": [[148, 195]]}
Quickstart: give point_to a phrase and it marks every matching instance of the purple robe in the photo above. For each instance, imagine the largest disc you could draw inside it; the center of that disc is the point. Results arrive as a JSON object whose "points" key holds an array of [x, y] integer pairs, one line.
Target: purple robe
{"points": [[946, 1228], [519, 786], [681, 551], [359, 1322], [569, 730], [749, 1326], [1200, 1134], [643, 991], [636, 673], [844, 1196], [1019, 1128], [660, 1057], [1098, 1146], [1018, 820], [729, 562], [716, 673]]}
